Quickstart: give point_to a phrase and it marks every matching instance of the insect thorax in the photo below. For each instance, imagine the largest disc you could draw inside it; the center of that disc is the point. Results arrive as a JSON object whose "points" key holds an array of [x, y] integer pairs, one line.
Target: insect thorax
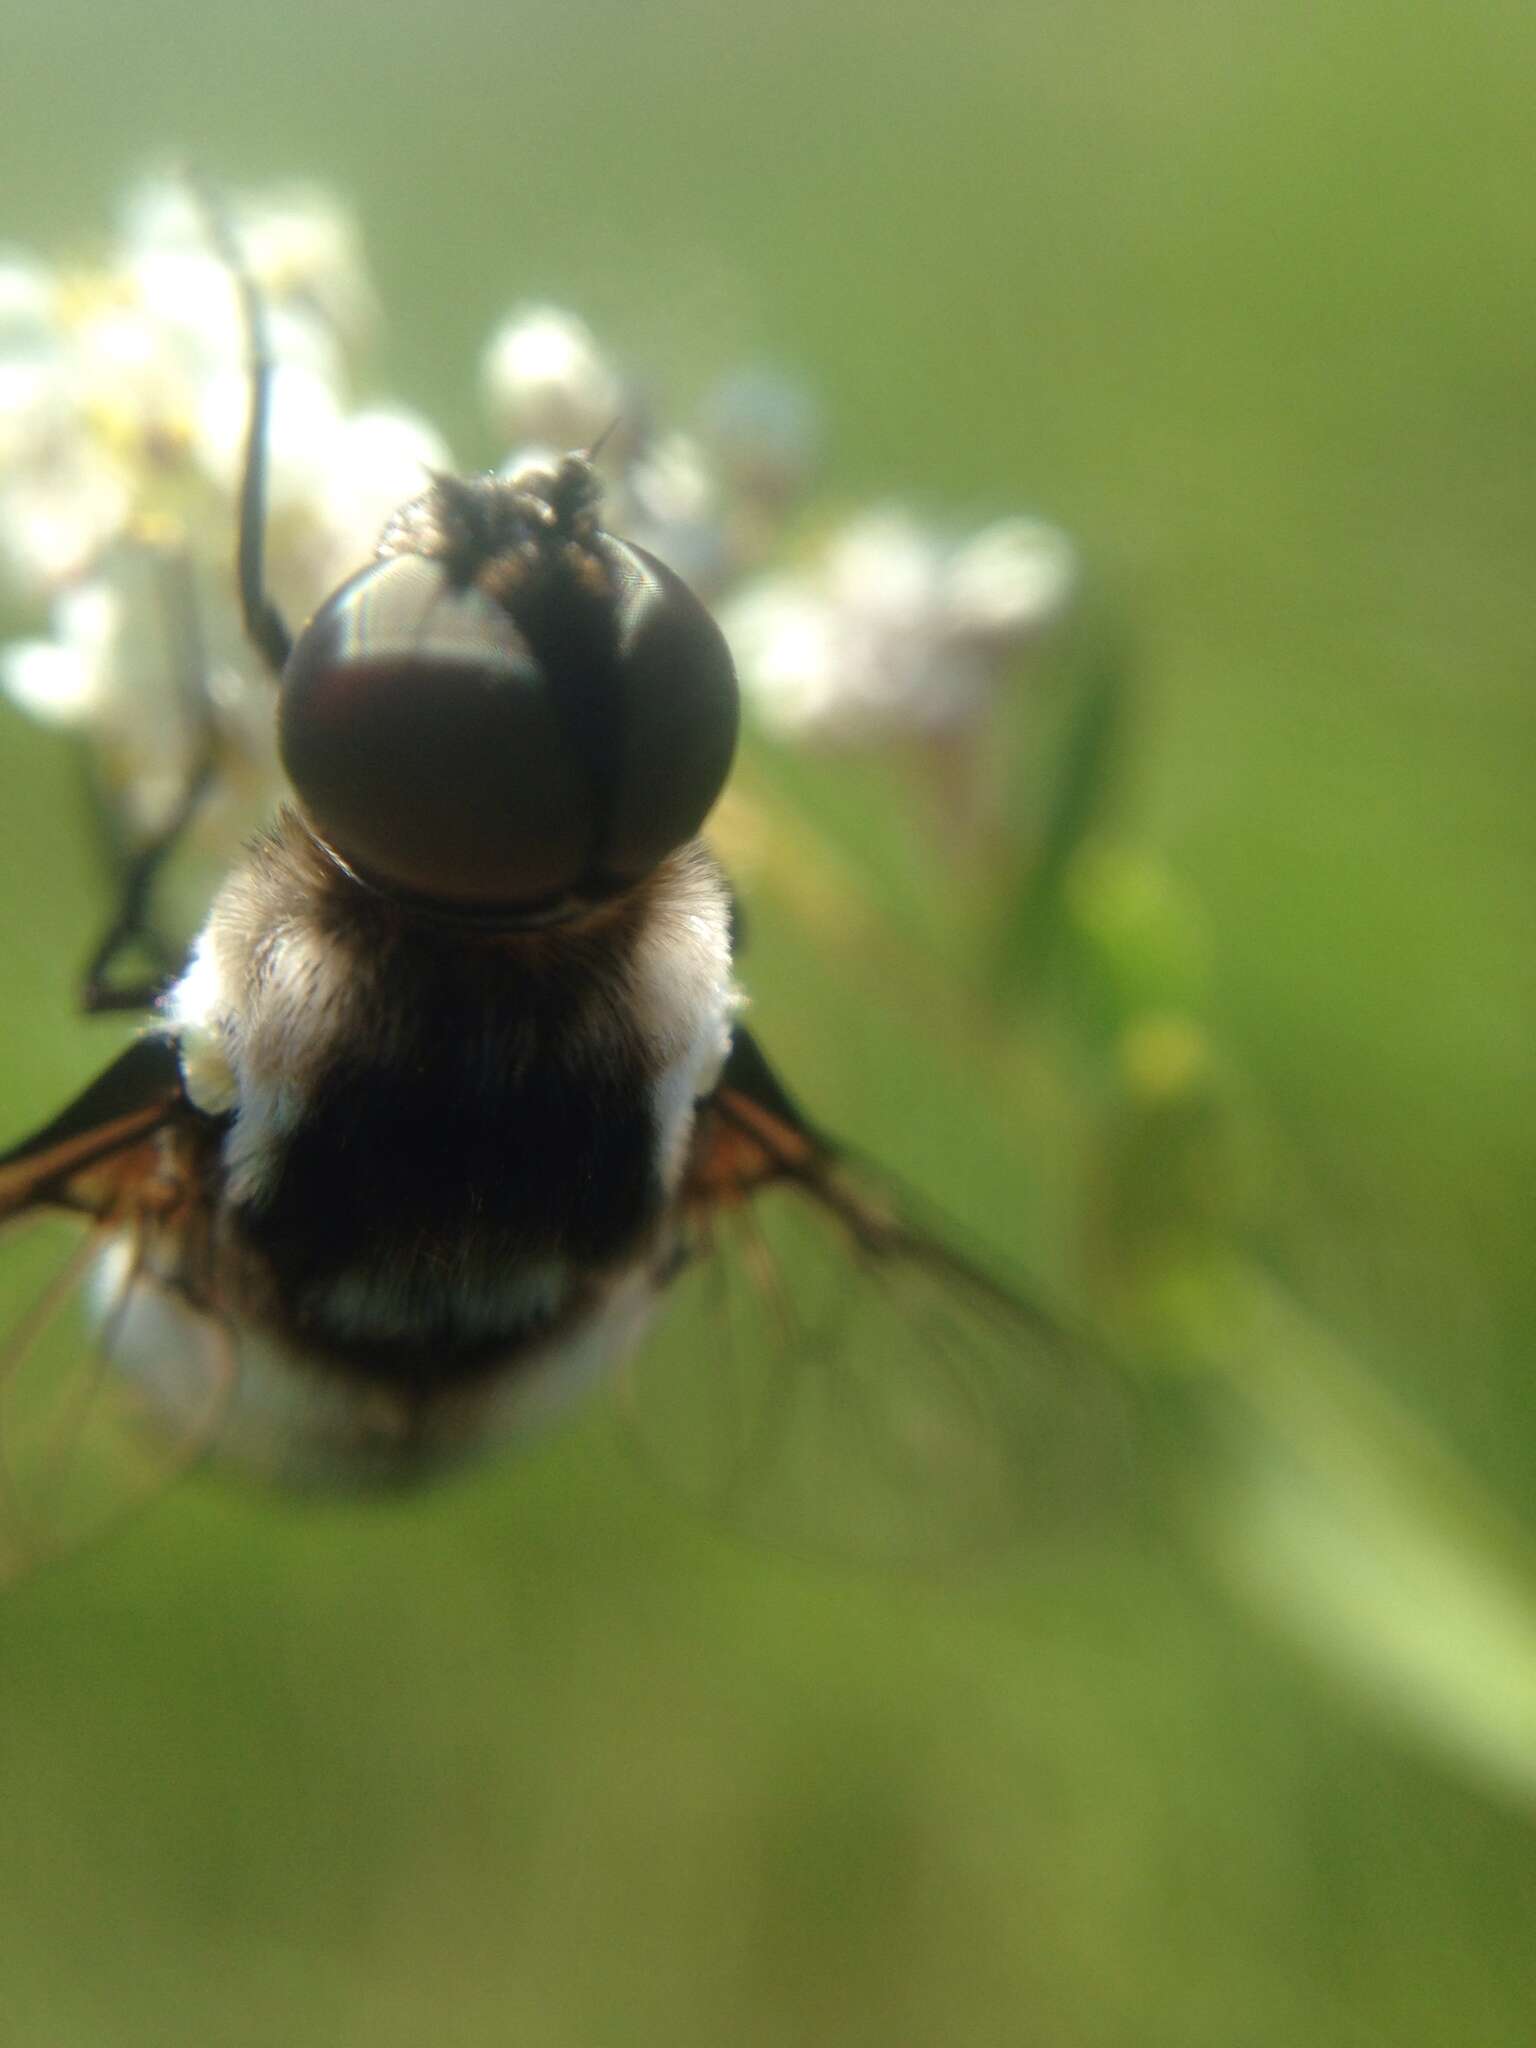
{"points": [[444, 1142]]}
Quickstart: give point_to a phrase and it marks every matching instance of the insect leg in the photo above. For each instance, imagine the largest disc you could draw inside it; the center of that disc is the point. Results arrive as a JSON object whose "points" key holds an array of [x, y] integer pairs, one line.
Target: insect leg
{"points": [[266, 630], [138, 866]]}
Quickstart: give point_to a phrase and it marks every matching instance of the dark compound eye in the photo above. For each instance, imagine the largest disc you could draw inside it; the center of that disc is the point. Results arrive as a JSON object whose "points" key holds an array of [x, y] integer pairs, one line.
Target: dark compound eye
{"points": [[555, 721]]}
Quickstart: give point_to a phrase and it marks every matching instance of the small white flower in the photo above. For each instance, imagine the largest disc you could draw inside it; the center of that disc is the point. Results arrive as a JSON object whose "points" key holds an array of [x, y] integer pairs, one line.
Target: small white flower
{"points": [[114, 667], [380, 459], [709, 502], [785, 643], [60, 511], [26, 302], [306, 252], [180, 304], [304, 430], [50, 680], [301, 246], [546, 383], [893, 629], [669, 501], [762, 433], [1011, 580]]}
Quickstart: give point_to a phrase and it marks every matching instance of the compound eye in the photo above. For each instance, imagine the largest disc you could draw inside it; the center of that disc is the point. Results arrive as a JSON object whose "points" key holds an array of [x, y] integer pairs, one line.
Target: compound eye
{"points": [[560, 737], [677, 713], [422, 734]]}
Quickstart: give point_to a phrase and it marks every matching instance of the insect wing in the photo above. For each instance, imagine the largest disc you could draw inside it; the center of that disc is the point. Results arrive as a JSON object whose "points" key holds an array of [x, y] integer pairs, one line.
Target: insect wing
{"points": [[111, 1380], [835, 1374]]}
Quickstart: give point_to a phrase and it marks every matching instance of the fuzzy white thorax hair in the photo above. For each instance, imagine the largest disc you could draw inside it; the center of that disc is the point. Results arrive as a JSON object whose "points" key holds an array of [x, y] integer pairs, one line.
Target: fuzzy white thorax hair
{"points": [[274, 992]]}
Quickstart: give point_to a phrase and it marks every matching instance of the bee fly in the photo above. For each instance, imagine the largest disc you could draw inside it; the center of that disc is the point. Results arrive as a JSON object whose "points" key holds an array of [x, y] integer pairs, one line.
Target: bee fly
{"points": [[453, 1086]]}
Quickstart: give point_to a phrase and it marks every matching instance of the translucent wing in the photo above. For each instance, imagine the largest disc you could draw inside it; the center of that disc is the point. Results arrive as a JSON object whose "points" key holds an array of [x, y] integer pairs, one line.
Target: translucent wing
{"points": [[834, 1373], [113, 1373]]}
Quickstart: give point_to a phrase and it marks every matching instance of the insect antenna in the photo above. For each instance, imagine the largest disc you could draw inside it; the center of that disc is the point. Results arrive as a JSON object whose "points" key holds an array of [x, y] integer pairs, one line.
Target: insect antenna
{"points": [[595, 448], [264, 624]]}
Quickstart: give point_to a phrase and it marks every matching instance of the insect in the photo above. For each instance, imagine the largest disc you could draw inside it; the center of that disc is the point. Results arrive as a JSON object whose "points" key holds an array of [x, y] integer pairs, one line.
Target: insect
{"points": [[454, 1093]]}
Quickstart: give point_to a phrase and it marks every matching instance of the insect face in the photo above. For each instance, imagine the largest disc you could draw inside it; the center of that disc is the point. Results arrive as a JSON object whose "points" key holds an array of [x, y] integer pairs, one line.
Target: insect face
{"points": [[510, 711]]}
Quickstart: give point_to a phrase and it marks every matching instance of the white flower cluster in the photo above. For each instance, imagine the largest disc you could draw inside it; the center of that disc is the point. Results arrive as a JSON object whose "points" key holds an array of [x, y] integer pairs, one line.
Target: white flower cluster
{"points": [[124, 398], [711, 502], [886, 627], [892, 629]]}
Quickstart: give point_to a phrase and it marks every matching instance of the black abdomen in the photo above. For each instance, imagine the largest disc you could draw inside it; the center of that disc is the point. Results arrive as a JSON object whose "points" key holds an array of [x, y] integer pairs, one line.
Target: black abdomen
{"points": [[420, 1210]]}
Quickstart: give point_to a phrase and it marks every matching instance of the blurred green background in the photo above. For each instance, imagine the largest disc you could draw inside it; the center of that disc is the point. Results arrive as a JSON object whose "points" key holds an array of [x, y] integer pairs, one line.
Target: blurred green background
{"points": [[1242, 297]]}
